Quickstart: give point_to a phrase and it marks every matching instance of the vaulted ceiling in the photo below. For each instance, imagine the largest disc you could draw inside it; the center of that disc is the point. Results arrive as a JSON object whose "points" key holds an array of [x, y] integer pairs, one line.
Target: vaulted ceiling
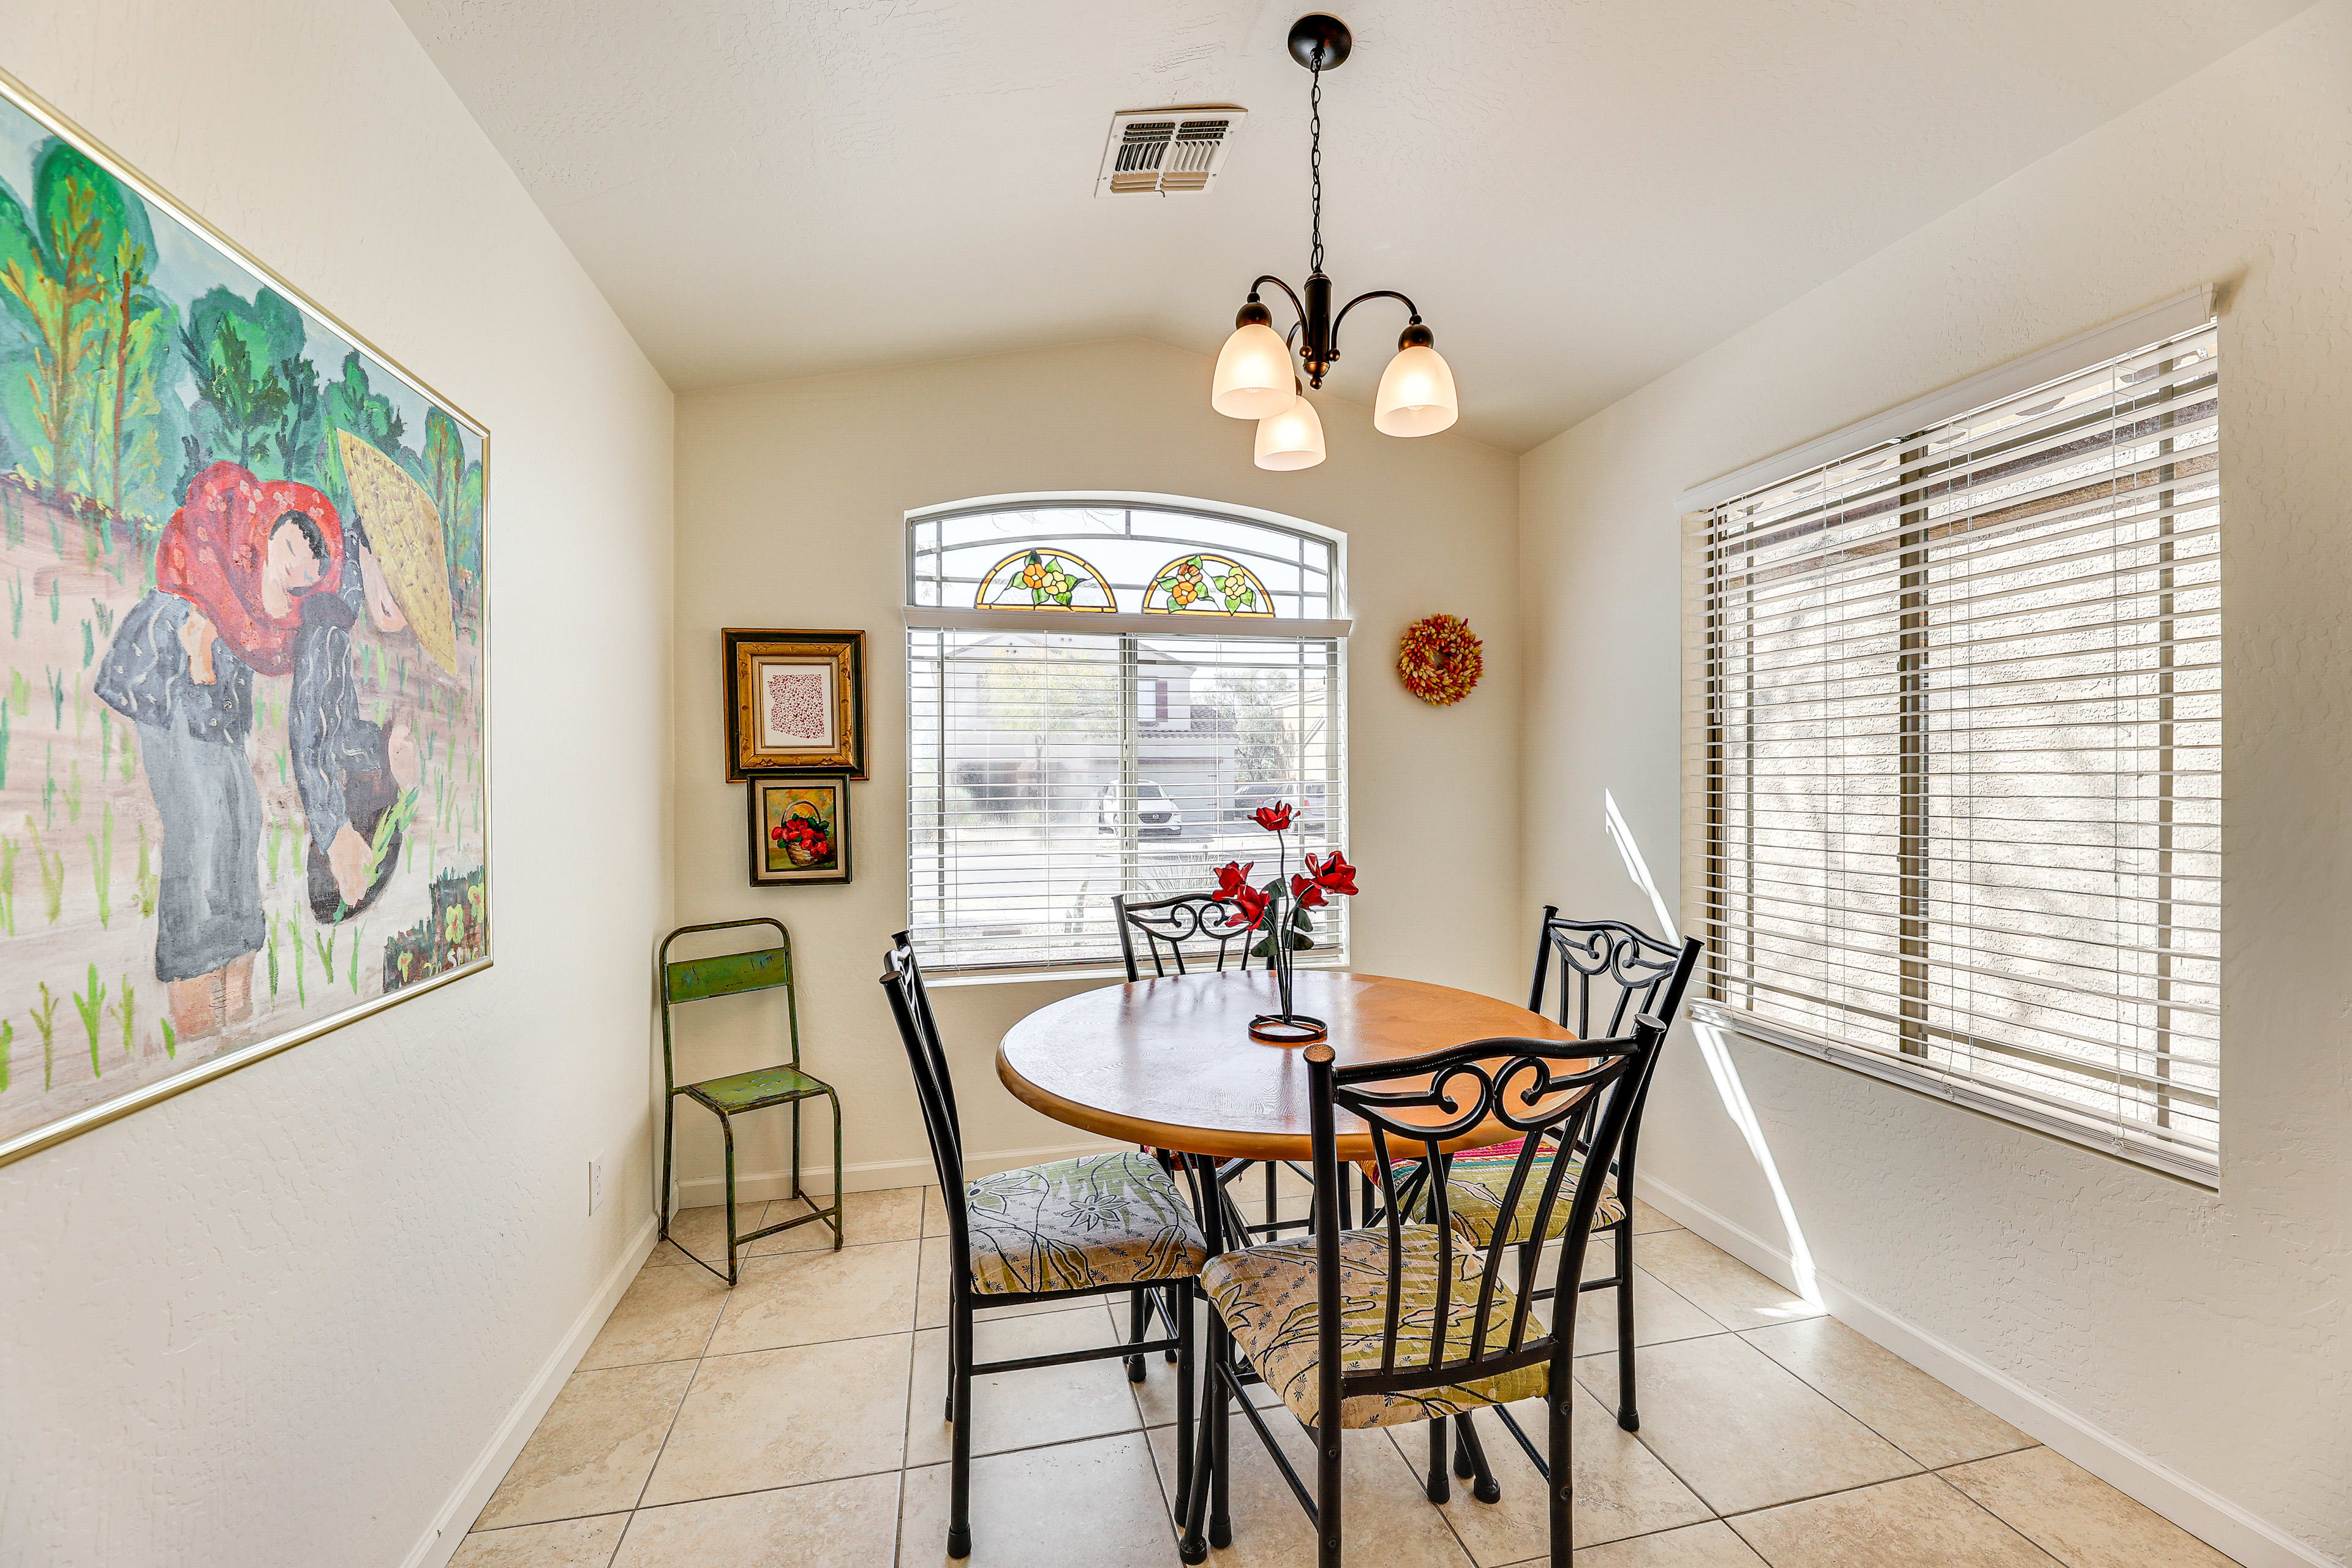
{"points": [[1580, 194]]}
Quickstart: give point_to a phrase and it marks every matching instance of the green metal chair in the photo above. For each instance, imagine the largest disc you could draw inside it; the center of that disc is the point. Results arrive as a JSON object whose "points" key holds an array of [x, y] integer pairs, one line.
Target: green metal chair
{"points": [[735, 974]]}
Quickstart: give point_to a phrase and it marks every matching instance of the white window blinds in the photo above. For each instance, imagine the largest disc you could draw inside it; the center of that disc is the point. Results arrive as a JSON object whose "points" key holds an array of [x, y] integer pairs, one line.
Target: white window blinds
{"points": [[1952, 722], [1059, 756]]}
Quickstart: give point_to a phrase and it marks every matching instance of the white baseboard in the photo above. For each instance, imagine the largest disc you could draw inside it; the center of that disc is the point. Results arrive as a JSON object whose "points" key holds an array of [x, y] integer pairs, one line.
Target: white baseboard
{"points": [[2203, 1512], [481, 1479], [872, 1176]]}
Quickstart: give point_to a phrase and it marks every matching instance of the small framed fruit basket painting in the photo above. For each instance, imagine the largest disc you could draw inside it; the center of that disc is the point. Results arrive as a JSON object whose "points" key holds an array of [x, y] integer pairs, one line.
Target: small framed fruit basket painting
{"points": [[795, 702], [800, 830]]}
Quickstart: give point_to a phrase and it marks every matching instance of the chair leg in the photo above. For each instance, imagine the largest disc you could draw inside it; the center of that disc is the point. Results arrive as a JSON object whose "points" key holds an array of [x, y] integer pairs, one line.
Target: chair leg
{"points": [[1628, 1415], [1470, 1460], [840, 1199], [1328, 1440], [669, 1127], [1183, 1406], [1192, 1497], [1439, 1487], [797, 1148], [1176, 1308], [1560, 1484], [727, 1128], [960, 1464], [1220, 1442], [1138, 1320]]}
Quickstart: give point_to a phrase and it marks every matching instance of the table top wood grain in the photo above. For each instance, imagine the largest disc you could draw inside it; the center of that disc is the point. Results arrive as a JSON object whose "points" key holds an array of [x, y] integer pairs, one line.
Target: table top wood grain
{"points": [[1169, 1061]]}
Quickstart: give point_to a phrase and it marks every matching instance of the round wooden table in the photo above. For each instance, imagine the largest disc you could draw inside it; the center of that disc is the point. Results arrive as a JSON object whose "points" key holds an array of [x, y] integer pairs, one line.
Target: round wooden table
{"points": [[1169, 1062]]}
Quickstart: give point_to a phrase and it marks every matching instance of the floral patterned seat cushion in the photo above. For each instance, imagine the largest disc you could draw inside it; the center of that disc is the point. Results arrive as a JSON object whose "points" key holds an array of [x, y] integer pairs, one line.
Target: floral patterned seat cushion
{"points": [[1267, 1295], [1479, 1179], [1100, 1219]]}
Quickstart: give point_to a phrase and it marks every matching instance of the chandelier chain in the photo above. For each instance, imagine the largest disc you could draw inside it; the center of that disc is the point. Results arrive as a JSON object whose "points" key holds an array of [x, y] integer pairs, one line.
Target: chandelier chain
{"points": [[1315, 162]]}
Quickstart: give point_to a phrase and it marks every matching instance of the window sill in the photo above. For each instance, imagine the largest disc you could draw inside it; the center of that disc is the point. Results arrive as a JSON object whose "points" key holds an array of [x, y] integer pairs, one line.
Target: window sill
{"points": [[2191, 1166]]}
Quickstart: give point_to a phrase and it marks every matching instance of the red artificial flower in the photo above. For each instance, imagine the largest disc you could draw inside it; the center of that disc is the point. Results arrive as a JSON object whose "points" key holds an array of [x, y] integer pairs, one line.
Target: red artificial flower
{"points": [[1333, 874], [1251, 904], [1275, 818], [1231, 876], [1309, 893]]}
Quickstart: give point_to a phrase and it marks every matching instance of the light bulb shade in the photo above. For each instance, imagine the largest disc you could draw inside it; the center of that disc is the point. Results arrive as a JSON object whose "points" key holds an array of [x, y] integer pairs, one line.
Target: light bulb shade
{"points": [[1416, 393], [1254, 375], [1292, 438]]}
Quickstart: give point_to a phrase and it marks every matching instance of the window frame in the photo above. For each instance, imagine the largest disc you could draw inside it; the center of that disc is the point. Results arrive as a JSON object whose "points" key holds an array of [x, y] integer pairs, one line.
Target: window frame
{"points": [[1701, 728], [1128, 626]]}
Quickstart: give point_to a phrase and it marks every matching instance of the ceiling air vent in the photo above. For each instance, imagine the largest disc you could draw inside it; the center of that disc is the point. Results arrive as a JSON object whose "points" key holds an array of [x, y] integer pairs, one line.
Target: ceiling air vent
{"points": [[1167, 152]]}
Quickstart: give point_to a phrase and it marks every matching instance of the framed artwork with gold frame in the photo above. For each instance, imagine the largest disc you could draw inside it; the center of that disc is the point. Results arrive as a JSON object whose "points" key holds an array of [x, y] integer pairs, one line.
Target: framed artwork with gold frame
{"points": [[263, 528], [795, 702], [800, 830]]}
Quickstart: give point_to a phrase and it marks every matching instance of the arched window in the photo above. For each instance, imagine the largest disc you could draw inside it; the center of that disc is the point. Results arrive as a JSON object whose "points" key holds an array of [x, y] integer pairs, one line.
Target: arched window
{"points": [[1100, 692]]}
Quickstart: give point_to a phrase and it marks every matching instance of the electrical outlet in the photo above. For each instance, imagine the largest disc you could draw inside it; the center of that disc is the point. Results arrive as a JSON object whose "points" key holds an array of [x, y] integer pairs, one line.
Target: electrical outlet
{"points": [[595, 1182]]}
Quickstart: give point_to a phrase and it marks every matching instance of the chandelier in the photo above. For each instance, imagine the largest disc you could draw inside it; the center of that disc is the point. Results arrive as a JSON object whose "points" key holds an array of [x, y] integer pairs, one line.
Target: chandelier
{"points": [[1256, 379]]}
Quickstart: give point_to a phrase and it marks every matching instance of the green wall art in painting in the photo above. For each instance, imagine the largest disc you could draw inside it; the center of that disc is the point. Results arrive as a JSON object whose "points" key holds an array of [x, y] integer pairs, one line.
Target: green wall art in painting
{"points": [[242, 700]]}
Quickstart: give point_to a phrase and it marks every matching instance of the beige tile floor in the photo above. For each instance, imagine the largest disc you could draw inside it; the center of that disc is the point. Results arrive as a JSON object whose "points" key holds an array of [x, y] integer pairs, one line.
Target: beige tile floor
{"points": [[795, 1420]]}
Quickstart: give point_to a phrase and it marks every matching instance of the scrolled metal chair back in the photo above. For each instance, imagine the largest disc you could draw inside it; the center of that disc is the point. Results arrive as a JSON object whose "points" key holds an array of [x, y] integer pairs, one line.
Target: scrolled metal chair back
{"points": [[1559, 1096], [910, 1007], [1629, 972], [1168, 925], [1623, 967]]}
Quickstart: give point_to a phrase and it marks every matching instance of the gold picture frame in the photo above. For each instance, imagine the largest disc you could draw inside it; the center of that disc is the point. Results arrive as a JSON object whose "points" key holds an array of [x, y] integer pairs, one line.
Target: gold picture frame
{"points": [[795, 702], [455, 934]]}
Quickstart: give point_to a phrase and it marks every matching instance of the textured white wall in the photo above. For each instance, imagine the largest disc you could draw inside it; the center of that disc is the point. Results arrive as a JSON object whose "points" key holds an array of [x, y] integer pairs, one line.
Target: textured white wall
{"points": [[2207, 1330], [274, 1320], [790, 501]]}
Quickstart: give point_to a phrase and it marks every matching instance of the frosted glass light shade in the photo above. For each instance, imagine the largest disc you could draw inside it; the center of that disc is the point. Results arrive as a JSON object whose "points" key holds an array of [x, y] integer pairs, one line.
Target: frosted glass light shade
{"points": [[1292, 438], [1254, 375], [1416, 395]]}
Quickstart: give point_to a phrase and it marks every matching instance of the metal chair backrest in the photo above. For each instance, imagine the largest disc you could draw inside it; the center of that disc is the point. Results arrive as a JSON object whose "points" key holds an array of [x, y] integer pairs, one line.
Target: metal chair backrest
{"points": [[1521, 1084], [910, 1005], [1633, 972], [1168, 924], [727, 975]]}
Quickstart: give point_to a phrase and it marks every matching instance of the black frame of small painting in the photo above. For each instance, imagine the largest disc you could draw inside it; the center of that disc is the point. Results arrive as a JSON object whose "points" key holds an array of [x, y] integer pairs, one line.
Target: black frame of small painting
{"points": [[741, 648], [755, 823]]}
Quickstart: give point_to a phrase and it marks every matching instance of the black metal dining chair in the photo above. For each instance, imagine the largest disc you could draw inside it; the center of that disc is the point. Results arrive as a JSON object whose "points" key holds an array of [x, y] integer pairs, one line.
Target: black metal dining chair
{"points": [[1069, 1229], [1629, 973], [1609, 971], [1178, 933], [1408, 1322]]}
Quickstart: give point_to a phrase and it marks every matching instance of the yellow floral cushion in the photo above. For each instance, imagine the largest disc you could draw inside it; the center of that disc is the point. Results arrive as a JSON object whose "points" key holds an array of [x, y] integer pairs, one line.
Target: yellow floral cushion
{"points": [[1267, 1295], [1475, 1189], [1100, 1219]]}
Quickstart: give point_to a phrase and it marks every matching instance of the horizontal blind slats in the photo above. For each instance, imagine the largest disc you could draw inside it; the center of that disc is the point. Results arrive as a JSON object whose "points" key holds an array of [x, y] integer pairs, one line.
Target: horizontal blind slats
{"points": [[1049, 771], [1952, 746]]}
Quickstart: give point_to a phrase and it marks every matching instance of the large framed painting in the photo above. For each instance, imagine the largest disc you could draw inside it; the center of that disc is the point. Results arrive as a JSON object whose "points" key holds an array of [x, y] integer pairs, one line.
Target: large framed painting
{"points": [[795, 702], [243, 717]]}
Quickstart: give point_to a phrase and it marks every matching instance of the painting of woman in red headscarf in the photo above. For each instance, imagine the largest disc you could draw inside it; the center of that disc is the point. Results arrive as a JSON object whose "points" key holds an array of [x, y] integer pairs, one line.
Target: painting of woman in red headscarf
{"points": [[231, 573]]}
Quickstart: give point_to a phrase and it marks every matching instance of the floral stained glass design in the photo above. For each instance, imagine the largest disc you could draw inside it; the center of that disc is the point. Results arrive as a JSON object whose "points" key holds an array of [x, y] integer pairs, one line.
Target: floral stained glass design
{"points": [[1046, 580], [1206, 584]]}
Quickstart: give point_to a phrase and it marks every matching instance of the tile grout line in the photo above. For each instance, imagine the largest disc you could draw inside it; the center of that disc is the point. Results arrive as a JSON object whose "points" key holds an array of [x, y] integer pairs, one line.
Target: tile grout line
{"points": [[1996, 1518], [1143, 1428], [906, 1429], [1858, 1420]]}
